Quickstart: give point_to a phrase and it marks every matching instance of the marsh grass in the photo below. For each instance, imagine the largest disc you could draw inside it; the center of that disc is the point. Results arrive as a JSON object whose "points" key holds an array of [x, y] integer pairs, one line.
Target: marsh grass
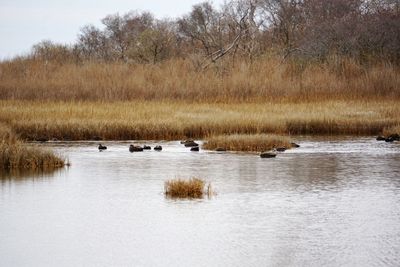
{"points": [[392, 130], [186, 188], [247, 142], [177, 120], [267, 78], [16, 155], [172, 100]]}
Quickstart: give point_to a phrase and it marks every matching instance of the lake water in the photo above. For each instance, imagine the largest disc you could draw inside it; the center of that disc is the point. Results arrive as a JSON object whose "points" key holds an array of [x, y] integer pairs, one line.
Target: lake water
{"points": [[328, 203]]}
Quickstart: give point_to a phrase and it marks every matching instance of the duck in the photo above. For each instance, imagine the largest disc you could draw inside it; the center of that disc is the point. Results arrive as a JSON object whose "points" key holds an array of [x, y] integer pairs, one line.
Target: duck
{"points": [[268, 154], [158, 148], [101, 147], [191, 144], [295, 145], [133, 148]]}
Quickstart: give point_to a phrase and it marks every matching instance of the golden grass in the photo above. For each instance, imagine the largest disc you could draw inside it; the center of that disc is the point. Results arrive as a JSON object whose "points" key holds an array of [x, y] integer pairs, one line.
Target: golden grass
{"points": [[246, 142], [174, 120], [392, 130], [15, 155], [191, 188], [267, 78], [173, 100]]}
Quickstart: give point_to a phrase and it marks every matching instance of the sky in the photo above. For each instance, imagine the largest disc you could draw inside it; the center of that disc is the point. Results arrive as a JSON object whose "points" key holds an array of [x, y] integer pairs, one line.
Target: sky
{"points": [[24, 23]]}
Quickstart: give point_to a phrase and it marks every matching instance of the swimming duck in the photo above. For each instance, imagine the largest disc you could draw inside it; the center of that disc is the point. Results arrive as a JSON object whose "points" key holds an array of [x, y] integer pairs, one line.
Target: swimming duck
{"points": [[101, 147]]}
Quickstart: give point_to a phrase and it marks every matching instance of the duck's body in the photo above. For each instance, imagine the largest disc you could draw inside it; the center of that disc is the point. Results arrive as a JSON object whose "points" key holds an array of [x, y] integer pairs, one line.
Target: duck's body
{"points": [[191, 144], [101, 147], [268, 154], [133, 148]]}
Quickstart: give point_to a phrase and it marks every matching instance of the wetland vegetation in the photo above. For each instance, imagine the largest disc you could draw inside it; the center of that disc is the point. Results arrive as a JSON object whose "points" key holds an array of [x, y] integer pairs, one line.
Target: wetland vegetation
{"points": [[187, 188], [246, 142], [16, 155], [249, 67], [250, 75]]}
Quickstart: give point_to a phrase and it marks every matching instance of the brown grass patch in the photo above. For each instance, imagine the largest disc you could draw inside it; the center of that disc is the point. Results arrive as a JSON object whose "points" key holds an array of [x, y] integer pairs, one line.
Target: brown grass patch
{"points": [[15, 155], [247, 142], [191, 188], [266, 78], [174, 120], [391, 130]]}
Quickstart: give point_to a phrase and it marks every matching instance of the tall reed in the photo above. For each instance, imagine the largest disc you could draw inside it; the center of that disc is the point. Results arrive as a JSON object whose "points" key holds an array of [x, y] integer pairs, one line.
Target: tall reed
{"points": [[266, 78]]}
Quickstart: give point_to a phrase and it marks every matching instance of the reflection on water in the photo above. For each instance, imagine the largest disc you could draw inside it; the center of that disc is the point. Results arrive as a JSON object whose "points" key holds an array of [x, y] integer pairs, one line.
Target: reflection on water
{"points": [[328, 203], [22, 175]]}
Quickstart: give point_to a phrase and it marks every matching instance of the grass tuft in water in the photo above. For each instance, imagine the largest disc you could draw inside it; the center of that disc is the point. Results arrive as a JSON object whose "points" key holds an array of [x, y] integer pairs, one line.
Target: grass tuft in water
{"points": [[191, 188], [247, 142]]}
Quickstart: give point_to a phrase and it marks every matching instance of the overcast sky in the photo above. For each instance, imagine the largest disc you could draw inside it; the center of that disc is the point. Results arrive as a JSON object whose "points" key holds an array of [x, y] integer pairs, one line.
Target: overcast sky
{"points": [[26, 22]]}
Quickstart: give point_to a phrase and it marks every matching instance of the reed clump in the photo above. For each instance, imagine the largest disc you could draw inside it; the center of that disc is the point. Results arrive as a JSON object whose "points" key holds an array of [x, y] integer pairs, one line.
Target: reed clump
{"points": [[16, 155], [186, 188], [247, 142]]}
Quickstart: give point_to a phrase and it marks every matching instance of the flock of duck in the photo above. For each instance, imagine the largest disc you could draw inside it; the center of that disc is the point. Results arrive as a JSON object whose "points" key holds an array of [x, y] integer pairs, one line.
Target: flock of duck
{"points": [[267, 154], [195, 147], [135, 148]]}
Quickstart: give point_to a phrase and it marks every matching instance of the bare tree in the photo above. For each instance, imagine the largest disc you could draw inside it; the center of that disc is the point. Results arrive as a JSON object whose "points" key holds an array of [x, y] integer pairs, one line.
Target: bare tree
{"points": [[204, 27], [93, 44], [285, 19], [154, 43]]}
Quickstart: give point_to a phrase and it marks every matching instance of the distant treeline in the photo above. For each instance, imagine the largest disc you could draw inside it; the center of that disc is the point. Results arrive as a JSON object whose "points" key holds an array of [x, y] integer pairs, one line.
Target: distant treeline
{"points": [[367, 31]]}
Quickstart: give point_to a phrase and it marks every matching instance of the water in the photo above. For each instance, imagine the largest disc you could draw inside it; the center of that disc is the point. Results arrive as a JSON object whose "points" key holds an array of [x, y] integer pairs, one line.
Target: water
{"points": [[328, 203]]}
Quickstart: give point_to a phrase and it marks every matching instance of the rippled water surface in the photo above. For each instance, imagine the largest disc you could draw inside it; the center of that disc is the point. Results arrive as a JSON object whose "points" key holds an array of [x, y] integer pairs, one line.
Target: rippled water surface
{"points": [[328, 203]]}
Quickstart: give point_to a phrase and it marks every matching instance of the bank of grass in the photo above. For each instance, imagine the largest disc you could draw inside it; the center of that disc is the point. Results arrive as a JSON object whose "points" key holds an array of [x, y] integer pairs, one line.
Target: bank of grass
{"points": [[186, 188], [247, 142], [18, 156], [174, 120], [265, 78]]}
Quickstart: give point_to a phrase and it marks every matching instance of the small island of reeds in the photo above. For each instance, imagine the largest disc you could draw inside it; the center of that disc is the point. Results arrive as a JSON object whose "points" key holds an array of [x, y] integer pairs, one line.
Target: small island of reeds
{"points": [[187, 188], [247, 142]]}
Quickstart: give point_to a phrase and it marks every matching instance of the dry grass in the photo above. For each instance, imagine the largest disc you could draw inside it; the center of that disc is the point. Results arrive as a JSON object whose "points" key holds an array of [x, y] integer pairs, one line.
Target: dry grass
{"points": [[180, 188], [173, 120], [15, 155], [265, 79], [246, 142], [392, 130], [172, 100]]}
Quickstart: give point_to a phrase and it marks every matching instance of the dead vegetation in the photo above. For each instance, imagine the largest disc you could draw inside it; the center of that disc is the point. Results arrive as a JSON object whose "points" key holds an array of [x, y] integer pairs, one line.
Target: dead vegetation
{"points": [[247, 142], [174, 120], [16, 155], [187, 188]]}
